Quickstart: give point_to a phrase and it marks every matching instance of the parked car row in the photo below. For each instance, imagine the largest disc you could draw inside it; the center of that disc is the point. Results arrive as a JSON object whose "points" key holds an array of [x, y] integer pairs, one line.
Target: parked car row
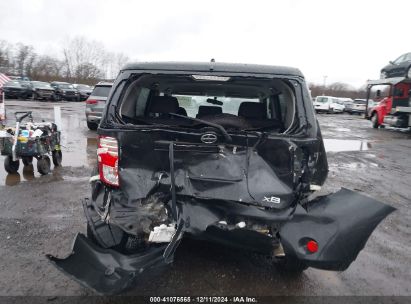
{"points": [[56, 91], [329, 104]]}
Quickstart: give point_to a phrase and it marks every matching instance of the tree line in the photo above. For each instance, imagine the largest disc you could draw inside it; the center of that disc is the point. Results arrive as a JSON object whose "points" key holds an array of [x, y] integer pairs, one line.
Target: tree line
{"points": [[338, 89], [81, 61], [87, 61]]}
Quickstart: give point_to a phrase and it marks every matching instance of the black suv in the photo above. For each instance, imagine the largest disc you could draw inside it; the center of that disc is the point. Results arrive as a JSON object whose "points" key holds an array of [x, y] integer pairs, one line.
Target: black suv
{"points": [[17, 89], [64, 91], [213, 151]]}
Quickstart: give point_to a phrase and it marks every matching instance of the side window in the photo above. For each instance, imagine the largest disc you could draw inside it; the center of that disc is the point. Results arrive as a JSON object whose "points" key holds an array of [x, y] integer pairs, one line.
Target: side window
{"points": [[283, 106], [408, 57], [142, 101], [400, 59]]}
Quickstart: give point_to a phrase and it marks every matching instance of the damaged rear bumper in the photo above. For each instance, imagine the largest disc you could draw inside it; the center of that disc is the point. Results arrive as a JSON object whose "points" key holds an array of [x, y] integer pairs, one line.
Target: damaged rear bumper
{"points": [[107, 271], [340, 223]]}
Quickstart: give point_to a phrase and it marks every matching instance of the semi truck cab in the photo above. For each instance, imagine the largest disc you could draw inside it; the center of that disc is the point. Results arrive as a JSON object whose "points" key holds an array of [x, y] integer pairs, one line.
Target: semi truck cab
{"points": [[394, 107]]}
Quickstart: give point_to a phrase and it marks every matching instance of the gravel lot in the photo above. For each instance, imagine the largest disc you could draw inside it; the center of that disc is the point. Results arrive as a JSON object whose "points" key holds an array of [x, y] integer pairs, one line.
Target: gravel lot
{"points": [[42, 214]]}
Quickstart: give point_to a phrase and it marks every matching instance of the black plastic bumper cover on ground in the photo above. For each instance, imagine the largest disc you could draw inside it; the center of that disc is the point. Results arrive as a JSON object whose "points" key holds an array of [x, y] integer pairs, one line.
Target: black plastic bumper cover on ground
{"points": [[340, 223], [107, 271]]}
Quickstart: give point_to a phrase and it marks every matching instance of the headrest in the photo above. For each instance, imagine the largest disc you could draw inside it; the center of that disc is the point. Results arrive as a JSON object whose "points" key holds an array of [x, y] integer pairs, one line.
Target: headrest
{"points": [[208, 110], [181, 111], [163, 104], [255, 110]]}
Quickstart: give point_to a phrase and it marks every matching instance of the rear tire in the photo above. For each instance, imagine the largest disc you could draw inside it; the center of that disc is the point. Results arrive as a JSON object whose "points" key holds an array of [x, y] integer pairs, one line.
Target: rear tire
{"points": [[92, 126], [44, 165], [290, 265], [374, 120], [27, 160], [57, 158], [11, 166], [56, 97]]}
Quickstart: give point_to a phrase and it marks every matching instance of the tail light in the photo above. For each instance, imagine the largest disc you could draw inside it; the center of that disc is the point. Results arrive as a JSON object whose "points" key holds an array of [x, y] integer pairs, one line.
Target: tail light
{"points": [[91, 101], [107, 155]]}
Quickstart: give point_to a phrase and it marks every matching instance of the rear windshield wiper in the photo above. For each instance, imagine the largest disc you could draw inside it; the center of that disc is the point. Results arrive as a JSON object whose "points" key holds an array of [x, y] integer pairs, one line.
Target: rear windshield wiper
{"points": [[217, 126]]}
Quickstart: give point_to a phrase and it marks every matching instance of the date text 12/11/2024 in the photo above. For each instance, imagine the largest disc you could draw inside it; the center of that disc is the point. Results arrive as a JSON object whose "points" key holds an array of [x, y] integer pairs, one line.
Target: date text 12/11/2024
{"points": [[204, 299]]}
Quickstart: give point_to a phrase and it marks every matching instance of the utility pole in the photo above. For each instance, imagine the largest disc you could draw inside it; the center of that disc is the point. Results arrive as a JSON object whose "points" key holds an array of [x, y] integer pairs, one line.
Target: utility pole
{"points": [[325, 83]]}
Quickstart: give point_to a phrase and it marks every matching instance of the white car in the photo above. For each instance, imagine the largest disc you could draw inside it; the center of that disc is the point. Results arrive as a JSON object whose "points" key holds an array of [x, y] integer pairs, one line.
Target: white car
{"points": [[328, 104]]}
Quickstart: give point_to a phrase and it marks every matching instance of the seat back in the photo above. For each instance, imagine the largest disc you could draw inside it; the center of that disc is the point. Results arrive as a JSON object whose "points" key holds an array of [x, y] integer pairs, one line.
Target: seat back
{"points": [[253, 110], [208, 110], [163, 105]]}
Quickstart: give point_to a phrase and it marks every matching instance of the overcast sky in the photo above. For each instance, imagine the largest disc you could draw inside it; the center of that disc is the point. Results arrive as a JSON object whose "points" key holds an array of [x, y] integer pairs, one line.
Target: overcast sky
{"points": [[348, 41]]}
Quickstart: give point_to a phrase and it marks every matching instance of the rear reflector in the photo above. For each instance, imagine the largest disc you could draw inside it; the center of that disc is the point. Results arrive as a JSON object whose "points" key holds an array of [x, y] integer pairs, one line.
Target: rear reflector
{"points": [[91, 101], [312, 246]]}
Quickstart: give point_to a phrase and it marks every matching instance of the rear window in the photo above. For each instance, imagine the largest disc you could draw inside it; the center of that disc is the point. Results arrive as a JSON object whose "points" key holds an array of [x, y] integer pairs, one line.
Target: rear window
{"points": [[322, 99], [102, 91], [230, 105], [235, 102], [15, 84]]}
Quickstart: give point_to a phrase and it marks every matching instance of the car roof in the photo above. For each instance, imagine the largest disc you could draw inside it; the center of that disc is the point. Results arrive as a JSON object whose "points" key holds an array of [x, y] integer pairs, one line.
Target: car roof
{"points": [[104, 83], [214, 67]]}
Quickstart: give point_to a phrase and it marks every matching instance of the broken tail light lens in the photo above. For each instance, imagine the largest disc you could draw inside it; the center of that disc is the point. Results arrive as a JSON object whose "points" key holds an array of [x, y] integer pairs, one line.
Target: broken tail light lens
{"points": [[107, 155], [91, 101]]}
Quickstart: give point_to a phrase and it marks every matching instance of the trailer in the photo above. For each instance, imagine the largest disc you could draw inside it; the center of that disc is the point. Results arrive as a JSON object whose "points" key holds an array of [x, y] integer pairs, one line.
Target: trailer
{"points": [[30, 140], [393, 97]]}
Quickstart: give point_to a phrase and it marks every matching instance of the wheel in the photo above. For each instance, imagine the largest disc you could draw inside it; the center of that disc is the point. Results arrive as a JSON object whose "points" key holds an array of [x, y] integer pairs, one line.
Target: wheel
{"points": [[56, 97], [11, 166], [23, 96], [43, 165], [374, 120], [290, 265], [92, 125], [27, 160], [57, 158]]}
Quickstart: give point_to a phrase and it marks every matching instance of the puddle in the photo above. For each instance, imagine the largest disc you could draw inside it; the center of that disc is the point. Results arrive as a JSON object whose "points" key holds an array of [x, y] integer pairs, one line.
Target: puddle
{"points": [[343, 130], [341, 145]]}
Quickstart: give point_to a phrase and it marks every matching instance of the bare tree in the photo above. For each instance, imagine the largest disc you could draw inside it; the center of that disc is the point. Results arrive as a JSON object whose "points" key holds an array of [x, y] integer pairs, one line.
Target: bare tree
{"points": [[80, 55], [24, 58], [6, 60], [83, 61], [47, 68], [337, 89]]}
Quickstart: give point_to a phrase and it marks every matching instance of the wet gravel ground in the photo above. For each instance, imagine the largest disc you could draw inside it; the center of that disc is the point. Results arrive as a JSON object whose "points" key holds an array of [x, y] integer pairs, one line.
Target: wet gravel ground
{"points": [[42, 214]]}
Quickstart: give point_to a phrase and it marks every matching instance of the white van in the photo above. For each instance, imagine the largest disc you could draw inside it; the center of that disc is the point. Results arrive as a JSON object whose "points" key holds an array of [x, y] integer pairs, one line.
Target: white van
{"points": [[328, 104]]}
